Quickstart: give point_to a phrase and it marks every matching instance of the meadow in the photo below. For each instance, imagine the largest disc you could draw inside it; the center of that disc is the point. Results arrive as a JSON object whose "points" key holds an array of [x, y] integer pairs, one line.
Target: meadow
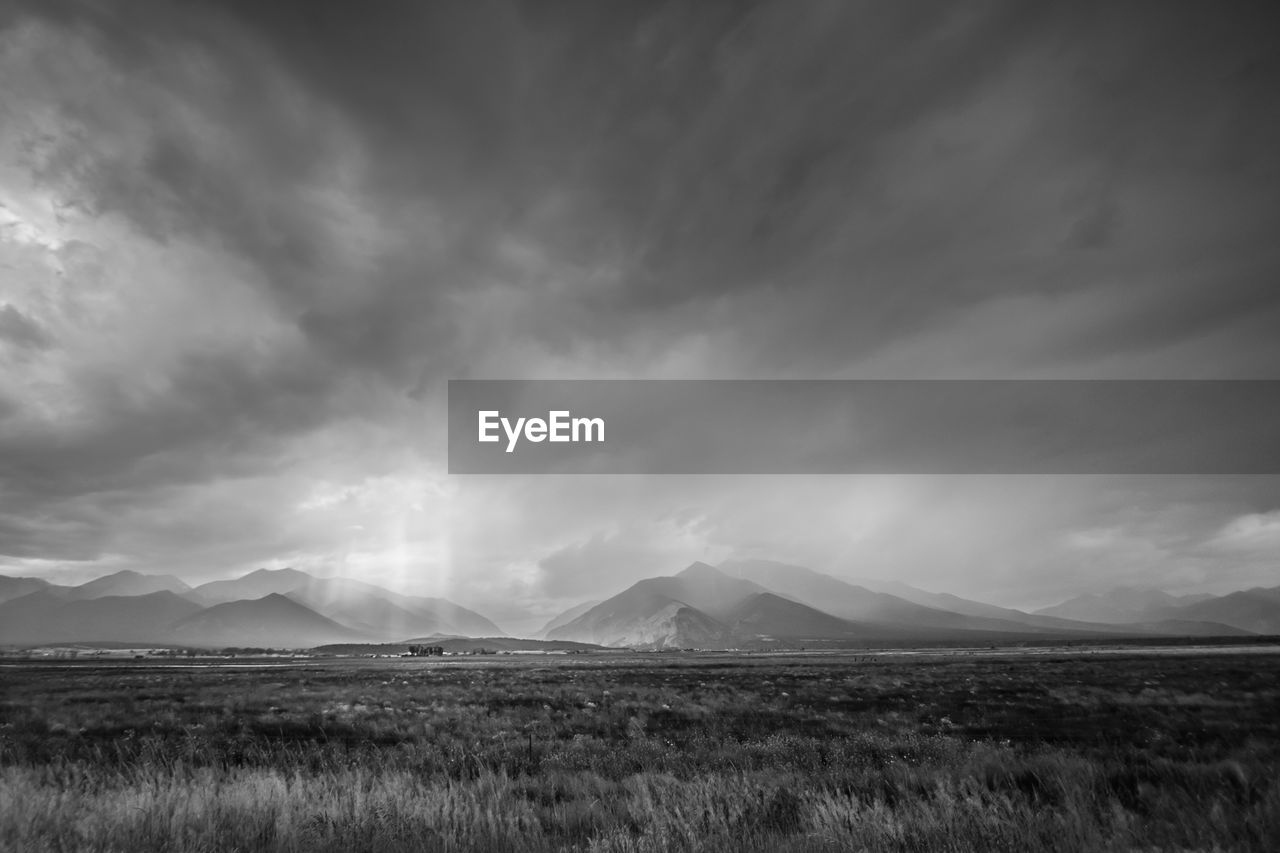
{"points": [[660, 752]]}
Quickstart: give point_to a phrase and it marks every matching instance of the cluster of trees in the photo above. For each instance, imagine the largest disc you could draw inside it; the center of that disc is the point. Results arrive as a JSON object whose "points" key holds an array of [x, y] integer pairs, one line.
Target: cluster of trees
{"points": [[424, 651]]}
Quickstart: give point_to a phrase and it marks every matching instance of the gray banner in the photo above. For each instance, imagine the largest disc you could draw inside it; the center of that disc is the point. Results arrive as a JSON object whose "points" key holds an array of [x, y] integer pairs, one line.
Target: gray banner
{"points": [[864, 427]]}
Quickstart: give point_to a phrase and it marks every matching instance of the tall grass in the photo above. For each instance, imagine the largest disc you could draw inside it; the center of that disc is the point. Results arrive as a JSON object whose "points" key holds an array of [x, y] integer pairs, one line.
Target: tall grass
{"points": [[998, 803], [652, 758]]}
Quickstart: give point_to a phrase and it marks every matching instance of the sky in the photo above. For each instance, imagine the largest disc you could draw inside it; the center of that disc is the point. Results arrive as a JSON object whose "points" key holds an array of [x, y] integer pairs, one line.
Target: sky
{"points": [[243, 247]]}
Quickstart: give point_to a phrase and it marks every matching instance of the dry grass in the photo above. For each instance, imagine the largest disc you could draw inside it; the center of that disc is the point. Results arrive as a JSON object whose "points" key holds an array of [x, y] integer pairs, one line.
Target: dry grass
{"points": [[650, 753]]}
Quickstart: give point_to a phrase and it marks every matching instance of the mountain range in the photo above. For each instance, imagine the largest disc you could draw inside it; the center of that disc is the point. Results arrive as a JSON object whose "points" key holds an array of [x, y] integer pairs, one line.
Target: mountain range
{"points": [[282, 608], [766, 604], [742, 604], [1254, 610]]}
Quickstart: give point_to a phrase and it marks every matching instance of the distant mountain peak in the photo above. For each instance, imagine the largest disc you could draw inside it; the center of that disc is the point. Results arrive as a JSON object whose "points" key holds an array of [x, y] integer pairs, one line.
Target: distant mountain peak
{"points": [[288, 571], [130, 574], [273, 620], [128, 582], [698, 569]]}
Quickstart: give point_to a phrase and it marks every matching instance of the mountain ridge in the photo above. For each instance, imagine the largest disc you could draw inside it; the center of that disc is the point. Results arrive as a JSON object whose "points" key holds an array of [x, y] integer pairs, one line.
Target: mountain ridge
{"points": [[338, 609], [746, 601], [738, 604]]}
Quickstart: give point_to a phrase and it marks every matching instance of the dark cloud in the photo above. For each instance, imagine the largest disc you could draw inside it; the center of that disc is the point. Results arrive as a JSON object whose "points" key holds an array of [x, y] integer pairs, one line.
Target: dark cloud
{"points": [[213, 417], [887, 167], [245, 243]]}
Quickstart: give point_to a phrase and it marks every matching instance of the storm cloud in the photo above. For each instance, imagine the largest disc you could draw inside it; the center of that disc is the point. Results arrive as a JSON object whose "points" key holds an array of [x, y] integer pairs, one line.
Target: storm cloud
{"points": [[243, 246]]}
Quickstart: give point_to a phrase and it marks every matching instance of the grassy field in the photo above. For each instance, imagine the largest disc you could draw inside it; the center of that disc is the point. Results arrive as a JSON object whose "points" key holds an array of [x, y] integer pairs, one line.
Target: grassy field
{"points": [[1175, 751]]}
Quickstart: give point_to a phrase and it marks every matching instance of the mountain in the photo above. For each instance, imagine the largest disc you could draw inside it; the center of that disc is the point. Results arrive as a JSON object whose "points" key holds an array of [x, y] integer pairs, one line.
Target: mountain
{"points": [[304, 610], [128, 583], [969, 607], [706, 588], [753, 603], [703, 607], [23, 619], [770, 620], [273, 621], [642, 616], [363, 606], [673, 626], [676, 611], [768, 617], [1193, 628], [457, 619], [255, 585], [566, 617], [742, 604], [375, 617], [46, 618], [390, 614], [11, 588], [1255, 610], [123, 618], [1121, 605], [401, 616], [849, 601]]}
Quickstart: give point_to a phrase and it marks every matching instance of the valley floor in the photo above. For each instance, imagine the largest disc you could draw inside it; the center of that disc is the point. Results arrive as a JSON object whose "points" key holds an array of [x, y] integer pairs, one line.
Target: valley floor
{"points": [[844, 751]]}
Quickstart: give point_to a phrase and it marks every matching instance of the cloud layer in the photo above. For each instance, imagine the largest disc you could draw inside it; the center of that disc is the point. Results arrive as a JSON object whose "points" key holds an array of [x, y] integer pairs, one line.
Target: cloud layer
{"points": [[243, 245]]}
